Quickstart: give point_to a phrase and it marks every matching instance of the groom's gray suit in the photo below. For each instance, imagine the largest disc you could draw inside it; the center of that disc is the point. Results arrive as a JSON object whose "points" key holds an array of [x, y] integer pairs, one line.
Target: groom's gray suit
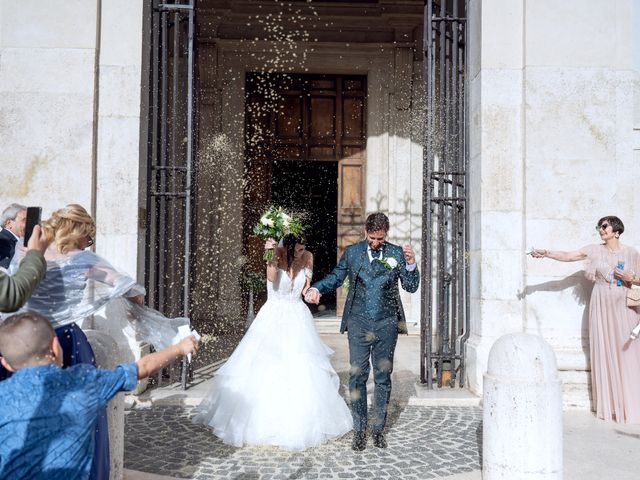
{"points": [[373, 316]]}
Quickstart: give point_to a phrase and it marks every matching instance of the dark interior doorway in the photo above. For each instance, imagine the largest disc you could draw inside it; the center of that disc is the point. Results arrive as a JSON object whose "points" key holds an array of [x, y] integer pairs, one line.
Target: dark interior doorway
{"points": [[307, 119], [311, 188]]}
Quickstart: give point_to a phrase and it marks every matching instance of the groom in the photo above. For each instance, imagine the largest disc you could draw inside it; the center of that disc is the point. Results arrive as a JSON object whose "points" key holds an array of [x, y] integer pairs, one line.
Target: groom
{"points": [[373, 317]]}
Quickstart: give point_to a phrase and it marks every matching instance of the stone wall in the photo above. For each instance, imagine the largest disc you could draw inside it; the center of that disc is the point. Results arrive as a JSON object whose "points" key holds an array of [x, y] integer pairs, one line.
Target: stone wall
{"points": [[47, 65], [551, 151], [70, 84]]}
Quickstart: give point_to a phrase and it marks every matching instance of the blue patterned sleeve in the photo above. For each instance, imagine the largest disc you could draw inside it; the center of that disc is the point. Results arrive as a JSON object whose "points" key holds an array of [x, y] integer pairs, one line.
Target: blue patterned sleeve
{"points": [[122, 378]]}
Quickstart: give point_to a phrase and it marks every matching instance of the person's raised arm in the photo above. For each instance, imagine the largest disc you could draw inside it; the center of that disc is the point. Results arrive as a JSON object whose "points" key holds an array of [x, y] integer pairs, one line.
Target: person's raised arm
{"points": [[559, 255], [154, 362], [15, 290], [272, 266]]}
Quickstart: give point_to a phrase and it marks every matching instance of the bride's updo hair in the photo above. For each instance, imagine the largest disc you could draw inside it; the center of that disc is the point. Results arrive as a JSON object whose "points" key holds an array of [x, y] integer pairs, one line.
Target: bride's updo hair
{"points": [[289, 242], [68, 225]]}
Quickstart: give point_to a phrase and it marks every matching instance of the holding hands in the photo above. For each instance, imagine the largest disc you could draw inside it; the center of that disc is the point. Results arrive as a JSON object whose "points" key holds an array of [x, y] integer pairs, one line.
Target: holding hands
{"points": [[312, 296]]}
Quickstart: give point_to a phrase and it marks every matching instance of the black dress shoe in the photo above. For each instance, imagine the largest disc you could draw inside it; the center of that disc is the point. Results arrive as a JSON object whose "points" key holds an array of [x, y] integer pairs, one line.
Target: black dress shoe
{"points": [[359, 441], [379, 440]]}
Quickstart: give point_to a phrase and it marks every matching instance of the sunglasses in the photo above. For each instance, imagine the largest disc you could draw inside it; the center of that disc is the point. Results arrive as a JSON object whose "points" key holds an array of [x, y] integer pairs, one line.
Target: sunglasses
{"points": [[89, 241], [604, 226]]}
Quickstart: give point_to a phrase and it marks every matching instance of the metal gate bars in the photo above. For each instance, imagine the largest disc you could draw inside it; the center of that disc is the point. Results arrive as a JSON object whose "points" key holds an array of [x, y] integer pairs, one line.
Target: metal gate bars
{"points": [[170, 158], [445, 286]]}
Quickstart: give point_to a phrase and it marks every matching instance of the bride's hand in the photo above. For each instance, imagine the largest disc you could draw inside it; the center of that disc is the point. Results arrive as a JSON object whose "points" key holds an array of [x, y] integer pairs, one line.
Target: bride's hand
{"points": [[270, 244]]}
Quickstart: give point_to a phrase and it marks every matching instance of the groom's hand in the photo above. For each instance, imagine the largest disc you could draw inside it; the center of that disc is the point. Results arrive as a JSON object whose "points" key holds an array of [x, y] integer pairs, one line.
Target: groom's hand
{"points": [[312, 296], [409, 254]]}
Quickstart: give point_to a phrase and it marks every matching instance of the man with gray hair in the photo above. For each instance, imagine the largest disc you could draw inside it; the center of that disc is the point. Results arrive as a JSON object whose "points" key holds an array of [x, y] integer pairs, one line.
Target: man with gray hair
{"points": [[13, 222]]}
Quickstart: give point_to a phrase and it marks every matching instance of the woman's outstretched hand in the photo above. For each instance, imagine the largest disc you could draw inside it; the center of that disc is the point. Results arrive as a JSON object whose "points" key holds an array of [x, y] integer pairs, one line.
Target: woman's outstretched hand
{"points": [[538, 253]]}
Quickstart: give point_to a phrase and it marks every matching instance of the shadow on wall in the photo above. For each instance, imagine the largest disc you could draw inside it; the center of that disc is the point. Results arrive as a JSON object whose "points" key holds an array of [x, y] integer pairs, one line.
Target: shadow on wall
{"points": [[581, 288], [405, 223]]}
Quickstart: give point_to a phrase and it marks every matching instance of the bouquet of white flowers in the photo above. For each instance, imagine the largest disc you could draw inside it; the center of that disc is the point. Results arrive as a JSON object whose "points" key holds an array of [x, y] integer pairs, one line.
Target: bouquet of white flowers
{"points": [[275, 223]]}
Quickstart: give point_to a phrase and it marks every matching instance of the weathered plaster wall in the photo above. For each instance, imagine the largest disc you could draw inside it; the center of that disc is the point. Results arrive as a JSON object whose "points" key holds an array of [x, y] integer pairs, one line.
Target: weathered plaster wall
{"points": [[551, 152], [47, 61], [118, 159], [60, 142]]}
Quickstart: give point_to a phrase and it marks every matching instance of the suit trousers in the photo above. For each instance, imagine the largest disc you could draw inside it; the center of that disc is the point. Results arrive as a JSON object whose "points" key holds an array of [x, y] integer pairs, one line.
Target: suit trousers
{"points": [[375, 340]]}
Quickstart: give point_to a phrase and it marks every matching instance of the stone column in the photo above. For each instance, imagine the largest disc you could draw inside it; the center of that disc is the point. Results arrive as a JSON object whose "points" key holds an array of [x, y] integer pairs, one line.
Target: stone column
{"points": [[495, 202], [522, 417], [118, 116]]}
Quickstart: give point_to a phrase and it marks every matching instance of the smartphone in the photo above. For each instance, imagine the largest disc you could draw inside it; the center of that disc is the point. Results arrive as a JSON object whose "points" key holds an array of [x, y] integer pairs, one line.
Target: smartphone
{"points": [[33, 219]]}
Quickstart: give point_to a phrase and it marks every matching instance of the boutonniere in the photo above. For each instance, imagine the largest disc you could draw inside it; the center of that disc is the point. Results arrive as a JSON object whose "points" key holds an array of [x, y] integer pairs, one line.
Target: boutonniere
{"points": [[389, 262]]}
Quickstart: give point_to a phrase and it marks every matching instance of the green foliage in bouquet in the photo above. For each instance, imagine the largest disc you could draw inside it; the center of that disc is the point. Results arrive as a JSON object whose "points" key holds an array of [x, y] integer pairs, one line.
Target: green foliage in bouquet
{"points": [[276, 223]]}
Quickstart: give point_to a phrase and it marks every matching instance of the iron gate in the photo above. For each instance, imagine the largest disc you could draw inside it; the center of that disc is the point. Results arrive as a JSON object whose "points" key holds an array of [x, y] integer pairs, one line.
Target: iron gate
{"points": [[445, 289], [170, 158]]}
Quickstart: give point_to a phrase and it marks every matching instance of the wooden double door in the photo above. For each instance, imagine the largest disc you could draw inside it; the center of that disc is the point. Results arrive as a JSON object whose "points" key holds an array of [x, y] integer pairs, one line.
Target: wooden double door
{"points": [[305, 151]]}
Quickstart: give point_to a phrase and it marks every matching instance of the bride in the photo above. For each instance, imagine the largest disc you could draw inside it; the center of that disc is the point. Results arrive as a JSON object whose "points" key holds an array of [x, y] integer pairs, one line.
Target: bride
{"points": [[278, 387]]}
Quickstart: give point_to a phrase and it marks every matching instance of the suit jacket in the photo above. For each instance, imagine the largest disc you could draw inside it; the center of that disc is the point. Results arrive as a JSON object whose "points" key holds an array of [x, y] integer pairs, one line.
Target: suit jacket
{"points": [[7, 247], [382, 283], [15, 290]]}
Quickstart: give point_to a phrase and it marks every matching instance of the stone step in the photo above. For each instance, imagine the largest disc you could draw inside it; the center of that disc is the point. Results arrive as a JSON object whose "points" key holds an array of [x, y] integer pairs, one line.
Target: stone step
{"points": [[444, 397], [332, 325]]}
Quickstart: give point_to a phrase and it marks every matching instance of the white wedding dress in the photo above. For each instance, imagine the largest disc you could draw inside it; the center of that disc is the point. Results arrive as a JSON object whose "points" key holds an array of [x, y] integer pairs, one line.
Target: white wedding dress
{"points": [[278, 387]]}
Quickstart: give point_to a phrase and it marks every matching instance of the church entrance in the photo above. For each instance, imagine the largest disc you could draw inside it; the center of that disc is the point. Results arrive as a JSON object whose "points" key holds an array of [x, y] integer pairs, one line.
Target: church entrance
{"points": [[312, 188], [305, 151]]}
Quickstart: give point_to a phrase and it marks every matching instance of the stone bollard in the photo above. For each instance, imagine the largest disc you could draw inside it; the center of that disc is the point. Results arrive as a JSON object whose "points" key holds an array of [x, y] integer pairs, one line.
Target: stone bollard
{"points": [[522, 411], [107, 355]]}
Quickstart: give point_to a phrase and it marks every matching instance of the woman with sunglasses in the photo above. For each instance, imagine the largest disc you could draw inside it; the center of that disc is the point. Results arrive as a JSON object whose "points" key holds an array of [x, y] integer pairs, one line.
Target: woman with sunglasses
{"points": [[77, 284], [615, 359]]}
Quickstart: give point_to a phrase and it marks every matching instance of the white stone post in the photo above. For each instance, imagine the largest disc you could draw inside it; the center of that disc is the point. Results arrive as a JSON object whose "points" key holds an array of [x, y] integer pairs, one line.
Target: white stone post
{"points": [[522, 419], [107, 355]]}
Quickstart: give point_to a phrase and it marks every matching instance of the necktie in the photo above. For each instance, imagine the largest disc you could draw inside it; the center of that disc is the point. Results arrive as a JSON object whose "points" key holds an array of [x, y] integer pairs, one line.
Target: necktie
{"points": [[376, 254]]}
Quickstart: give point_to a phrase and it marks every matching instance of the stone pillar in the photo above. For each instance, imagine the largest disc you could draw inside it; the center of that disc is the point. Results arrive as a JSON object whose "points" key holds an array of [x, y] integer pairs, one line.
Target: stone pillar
{"points": [[522, 419], [117, 121], [107, 355], [496, 193]]}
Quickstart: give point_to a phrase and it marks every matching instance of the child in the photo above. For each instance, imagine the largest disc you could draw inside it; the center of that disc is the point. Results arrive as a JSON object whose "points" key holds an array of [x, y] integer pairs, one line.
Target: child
{"points": [[47, 414]]}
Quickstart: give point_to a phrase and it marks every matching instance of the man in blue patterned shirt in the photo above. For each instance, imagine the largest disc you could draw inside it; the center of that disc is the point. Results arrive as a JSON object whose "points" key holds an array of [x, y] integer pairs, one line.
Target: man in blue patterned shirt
{"points": [[48, 415]]}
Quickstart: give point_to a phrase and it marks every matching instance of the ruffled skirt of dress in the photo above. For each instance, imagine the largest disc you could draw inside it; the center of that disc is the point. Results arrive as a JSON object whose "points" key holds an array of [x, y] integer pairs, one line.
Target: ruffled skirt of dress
{"points": [[615, 359], [278, 387]]}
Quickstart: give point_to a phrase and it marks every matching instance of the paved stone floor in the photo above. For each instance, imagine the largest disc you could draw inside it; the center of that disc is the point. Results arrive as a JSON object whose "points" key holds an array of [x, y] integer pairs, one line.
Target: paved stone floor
{"points": [[424, 442]]}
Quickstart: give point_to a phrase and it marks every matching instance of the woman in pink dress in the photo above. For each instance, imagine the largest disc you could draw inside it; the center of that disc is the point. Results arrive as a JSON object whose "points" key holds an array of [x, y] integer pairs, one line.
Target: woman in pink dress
{"points": [[615, 358]]}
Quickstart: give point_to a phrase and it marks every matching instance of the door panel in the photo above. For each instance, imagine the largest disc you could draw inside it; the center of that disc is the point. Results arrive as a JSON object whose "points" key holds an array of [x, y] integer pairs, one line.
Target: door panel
{"points": [[322, 128]]}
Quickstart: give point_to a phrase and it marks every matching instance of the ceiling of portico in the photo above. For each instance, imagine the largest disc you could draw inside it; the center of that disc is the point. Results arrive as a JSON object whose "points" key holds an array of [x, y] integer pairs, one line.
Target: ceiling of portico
{"points": [[364, 21]]}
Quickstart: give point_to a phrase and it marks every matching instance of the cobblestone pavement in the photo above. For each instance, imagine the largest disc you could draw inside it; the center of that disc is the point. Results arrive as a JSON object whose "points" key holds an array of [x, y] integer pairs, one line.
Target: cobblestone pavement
{"points": [[424, 442]]}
